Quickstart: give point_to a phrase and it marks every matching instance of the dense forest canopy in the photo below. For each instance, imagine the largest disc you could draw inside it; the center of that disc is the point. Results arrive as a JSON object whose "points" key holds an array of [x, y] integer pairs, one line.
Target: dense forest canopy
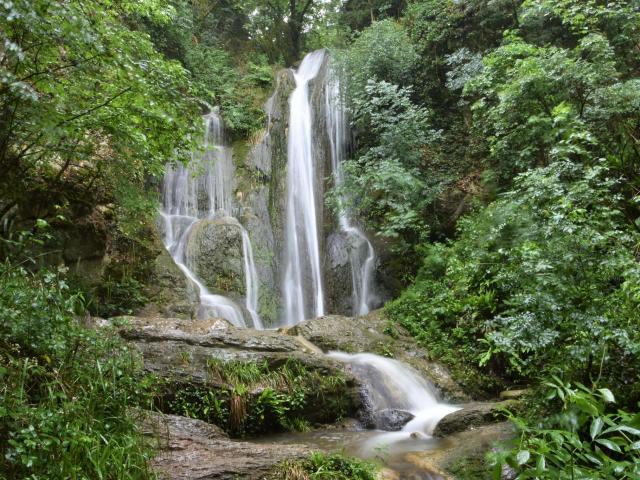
{"points": [[496, 155]]}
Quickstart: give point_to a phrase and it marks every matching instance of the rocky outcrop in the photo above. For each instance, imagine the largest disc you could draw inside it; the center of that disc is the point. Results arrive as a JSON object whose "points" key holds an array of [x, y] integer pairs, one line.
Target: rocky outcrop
{"points": [[190, 449], [262, 179], [168, 291], [214, 253]]}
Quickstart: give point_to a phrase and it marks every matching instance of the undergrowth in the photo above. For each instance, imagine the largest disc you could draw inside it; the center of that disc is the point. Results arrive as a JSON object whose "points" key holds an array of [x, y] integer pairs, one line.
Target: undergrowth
{"points": [[65, 390], [247, 398], [320, 466]]}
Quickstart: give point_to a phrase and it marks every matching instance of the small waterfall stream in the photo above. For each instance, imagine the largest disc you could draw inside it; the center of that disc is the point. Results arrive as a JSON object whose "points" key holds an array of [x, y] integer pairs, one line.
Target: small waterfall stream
{"points": [[394, 385], [302, 253], [204, 190], [361, 254]]}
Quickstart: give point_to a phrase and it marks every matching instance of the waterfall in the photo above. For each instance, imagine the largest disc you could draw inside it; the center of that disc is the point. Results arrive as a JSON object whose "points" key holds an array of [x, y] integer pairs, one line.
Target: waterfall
{"points": [[302, 272], [394, 385], [360, 251], [204, 190], [251, 280]]}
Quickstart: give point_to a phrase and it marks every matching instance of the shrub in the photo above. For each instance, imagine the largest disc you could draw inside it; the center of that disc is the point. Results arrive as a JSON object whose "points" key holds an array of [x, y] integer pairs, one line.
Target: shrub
{"points": [[544, 277], [65, 391], [320, 466], [587, 439]]}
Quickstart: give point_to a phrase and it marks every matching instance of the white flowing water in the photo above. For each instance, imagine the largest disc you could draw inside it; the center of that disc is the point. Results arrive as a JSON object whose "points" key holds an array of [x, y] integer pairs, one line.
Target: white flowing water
{"points": [[303, 296], [394, 385], [204, 190], [361, 254], [250, 280]]}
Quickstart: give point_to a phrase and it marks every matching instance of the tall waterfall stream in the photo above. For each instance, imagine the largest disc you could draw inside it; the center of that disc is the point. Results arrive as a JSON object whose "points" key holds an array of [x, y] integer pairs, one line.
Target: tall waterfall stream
{"points": [[204, 191]]}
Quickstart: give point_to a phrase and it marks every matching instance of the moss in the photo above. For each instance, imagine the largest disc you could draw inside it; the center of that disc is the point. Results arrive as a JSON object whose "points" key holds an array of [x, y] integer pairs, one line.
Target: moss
{"points": [[245, 398]]}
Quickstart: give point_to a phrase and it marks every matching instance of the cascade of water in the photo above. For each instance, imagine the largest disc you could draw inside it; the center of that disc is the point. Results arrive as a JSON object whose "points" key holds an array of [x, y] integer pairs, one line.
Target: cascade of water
{"points": [[394, 385], [251, 281], [361, 253], [204, 189], [302, 248]]}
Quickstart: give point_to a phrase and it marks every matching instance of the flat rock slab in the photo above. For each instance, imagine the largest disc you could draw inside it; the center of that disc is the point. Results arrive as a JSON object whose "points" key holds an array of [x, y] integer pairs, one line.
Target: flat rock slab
{"points": [[182, 348], [193, 449]]}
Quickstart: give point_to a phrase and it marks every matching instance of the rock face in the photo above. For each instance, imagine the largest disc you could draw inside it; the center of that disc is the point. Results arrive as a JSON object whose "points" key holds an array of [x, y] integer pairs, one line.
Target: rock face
{"points": [[338, 274], [262, 179], [192, 449], [214, 253]]}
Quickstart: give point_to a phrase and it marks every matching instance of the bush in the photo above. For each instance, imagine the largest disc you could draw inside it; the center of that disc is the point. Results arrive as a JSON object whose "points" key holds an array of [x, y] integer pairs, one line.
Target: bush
{"points": [[544, 277], [586, 440], [65, 390]]}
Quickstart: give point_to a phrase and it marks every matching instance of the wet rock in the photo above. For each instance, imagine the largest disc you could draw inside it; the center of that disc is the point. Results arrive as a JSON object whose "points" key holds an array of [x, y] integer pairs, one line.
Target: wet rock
{"points": [[390, 419], [262, 186], [168, 291], [338, 275], [471, 416], [190, 449], [214, 252]]}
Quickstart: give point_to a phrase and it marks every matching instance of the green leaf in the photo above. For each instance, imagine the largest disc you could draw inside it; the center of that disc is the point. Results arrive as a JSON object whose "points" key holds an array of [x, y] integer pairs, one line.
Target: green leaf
{"points": [[609, 444], [596, 427], [607, 395], [523, 457]]}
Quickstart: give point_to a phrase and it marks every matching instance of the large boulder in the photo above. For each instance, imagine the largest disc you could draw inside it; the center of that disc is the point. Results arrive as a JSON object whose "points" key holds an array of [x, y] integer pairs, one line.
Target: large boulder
{"points": [[214, 253], [190, 449], [473, 415], [390, 419]]}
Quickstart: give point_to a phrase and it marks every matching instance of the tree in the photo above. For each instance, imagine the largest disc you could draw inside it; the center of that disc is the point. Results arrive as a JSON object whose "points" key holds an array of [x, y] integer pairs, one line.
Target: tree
{"points": [[88, 109], [279, 26]]}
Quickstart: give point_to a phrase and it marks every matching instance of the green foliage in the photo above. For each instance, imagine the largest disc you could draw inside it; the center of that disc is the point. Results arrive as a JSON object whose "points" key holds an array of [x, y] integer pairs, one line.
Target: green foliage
{"points": [[321, 466], [587, 439], [542, 277], [89, 111], [390, 191], [66, 391], [381, 52], [249, 398]]}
